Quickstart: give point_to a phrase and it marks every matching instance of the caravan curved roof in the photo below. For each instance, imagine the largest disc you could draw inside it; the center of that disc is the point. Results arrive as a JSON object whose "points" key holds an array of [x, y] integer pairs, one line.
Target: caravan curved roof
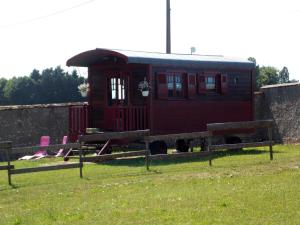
{"points": [[98, 56]]}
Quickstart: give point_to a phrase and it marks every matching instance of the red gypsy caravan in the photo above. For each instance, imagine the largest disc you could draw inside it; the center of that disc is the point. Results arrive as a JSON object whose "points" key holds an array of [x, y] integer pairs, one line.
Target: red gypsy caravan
{"points": [[166, 93]]}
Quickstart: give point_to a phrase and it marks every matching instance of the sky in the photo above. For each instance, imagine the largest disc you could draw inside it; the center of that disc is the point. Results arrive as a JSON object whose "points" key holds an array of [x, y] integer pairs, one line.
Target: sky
{"points": [[37, 34]]}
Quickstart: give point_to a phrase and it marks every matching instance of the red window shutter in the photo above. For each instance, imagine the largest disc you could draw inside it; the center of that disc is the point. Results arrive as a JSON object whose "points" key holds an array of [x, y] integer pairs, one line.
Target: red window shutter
{"points": [[191, 85], [162, 90], [218, 83], [201, 84], [224, 84]]}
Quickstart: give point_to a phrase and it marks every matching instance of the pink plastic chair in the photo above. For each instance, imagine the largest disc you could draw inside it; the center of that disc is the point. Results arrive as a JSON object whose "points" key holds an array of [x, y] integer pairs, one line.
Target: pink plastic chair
{"points": [[61, 151], [44, 141]]}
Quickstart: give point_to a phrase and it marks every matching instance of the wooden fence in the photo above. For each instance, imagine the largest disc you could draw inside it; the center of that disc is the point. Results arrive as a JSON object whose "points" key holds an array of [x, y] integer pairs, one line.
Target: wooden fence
{"points": [[240, 127], [140, 135], [7, 146]]}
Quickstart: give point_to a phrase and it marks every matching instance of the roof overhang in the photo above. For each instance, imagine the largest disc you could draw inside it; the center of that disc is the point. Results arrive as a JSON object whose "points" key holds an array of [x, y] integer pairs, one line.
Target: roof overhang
{"points": [[102, 56], [88, 58]]}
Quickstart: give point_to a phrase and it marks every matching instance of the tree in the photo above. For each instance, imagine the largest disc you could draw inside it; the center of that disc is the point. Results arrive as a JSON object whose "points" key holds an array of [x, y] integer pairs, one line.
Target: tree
{"points": [[293, 81], [49, 86], [35, 75], [267, 75], [3, 82], [257, 73], [284, 75], [19, 90]]}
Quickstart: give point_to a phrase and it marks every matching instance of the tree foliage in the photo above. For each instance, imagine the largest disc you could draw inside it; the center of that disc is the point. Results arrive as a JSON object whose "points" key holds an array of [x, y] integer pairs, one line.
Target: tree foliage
{"points": [[49, 86], [284, 75], [267, 75]]}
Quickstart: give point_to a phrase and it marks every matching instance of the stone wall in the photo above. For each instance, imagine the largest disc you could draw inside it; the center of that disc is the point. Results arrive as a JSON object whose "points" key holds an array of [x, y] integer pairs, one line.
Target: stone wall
{"points": [[24, 125], [282, 104]]}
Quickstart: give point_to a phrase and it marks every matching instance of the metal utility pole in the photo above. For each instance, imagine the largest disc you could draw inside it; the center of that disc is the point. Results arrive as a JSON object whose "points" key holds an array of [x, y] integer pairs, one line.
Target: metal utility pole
{"points": [[168, 32]]}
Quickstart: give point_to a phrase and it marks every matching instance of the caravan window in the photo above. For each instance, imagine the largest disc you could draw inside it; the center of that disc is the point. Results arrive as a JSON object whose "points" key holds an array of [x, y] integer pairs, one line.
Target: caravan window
{"points": [[117, 93], [175, 85], [210, 83]]}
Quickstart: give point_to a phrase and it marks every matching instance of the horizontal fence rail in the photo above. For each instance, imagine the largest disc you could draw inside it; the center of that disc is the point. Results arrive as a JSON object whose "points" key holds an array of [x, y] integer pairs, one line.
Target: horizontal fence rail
{"points": [[5, 167], [240, 145], [240, 125], [101, 158], [183, 155], [170, 137], [45, 168], [20, 150], [129, 135]]}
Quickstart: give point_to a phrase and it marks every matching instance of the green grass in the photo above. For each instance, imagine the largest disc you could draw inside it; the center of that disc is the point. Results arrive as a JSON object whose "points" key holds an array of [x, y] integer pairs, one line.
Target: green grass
{"points": [[240, 188]]}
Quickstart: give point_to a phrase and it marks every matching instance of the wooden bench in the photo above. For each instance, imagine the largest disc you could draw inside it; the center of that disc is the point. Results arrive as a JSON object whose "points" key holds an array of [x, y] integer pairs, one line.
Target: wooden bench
{"points": [[240, 127]]}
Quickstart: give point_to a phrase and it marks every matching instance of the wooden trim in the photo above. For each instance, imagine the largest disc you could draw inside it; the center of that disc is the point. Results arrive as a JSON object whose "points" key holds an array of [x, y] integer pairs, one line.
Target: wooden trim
{"points": [[45, 168], [240, 145], [101, 158], [166, 137], [240, 125], [132, 135], [185, 155]]}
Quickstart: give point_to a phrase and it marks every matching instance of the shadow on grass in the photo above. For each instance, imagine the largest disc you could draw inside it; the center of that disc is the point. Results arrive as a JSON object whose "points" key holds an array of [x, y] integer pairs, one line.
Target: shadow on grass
{"points": [[139, 162], [9, 187]]}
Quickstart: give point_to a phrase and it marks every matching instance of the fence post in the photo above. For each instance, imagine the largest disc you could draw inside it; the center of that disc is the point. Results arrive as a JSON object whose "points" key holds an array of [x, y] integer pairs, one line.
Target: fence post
{"points": [[147, 161], [209, 149], [270, 142], [80, 159], [8, 146]]}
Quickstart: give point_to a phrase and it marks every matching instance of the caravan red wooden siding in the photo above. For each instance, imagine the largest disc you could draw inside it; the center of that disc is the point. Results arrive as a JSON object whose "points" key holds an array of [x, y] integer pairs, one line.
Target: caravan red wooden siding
{"points": [[78, 121], [223, 103]]}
